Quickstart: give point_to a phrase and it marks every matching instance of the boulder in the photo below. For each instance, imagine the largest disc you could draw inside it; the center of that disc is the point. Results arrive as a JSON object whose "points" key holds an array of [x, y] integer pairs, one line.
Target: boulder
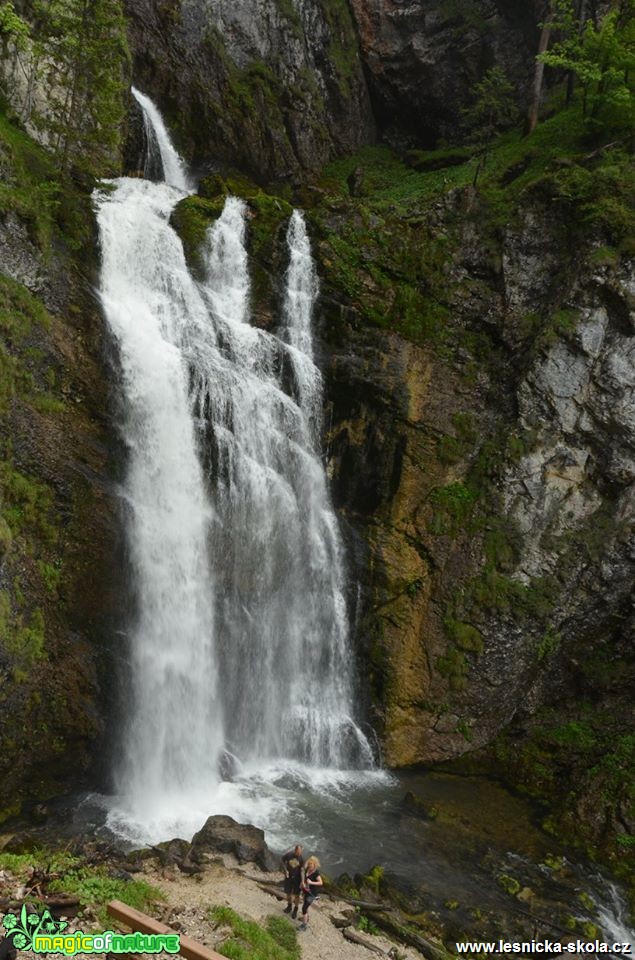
{"points": [[224, 835]]}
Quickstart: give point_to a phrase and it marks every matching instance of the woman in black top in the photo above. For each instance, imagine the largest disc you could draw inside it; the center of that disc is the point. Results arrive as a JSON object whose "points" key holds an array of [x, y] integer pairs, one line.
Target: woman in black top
{"points": [[311, 888]]}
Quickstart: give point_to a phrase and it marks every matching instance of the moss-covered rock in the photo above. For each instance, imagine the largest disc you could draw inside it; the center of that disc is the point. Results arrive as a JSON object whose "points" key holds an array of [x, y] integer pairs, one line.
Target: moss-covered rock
{"points": [[57, 528], [267, 221]]}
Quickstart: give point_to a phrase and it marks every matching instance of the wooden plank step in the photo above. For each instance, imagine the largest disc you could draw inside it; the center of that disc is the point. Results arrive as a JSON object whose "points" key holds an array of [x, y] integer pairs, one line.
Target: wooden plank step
{"points": [[141, 923]]}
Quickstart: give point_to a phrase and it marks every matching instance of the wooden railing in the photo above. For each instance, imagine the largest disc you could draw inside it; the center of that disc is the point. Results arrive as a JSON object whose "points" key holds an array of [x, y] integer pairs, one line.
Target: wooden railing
{"points": [[140, 923]]}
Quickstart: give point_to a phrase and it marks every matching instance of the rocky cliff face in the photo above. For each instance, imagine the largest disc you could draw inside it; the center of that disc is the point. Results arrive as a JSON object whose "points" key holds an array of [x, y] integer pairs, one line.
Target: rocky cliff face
{"points": [[490, 479], [422, 59], [273, 88], [57, 526], [278, 89]]}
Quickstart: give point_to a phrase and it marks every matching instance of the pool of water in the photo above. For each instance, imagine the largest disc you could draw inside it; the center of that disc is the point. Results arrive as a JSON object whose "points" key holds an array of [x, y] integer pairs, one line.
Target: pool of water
{"points": [[477, 833]]}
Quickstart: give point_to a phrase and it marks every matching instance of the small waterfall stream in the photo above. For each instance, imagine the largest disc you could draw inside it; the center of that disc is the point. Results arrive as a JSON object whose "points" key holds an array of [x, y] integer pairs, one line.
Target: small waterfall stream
{"points": [[239, 643]]}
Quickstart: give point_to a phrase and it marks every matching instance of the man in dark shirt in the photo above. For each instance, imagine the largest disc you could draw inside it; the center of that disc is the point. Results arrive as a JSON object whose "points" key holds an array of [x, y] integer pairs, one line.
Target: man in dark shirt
{"points": [[292, 864]]}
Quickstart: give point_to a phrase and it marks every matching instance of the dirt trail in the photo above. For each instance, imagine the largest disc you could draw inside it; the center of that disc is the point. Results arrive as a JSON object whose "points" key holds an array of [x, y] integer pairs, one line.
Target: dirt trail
{"points": [[227, 884]]}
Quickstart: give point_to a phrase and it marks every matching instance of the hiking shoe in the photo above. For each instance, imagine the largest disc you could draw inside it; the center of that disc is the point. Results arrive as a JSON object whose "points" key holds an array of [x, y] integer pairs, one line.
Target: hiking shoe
{"points": [[295, 913], [303, 926], [287, 909]]}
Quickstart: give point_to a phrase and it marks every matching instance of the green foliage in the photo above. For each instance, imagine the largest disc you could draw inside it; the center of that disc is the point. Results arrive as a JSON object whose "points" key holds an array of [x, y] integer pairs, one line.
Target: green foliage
{"points": [[26, 503], [497, 545], [22, 863], [374, 879], [50, 573], [602, 58], [13, 28], [452, 449], [509, 884], [251, 942], [597, 194], [464, 635], [24, 640], [548, 645], [94, 886], [284, 934], [577, 735], [366, 925], [453, 666], [20, 311], [493, 110], [495, 592], [427, 160], [191, 218], [453, 506], [79, 55], [464, 729]]}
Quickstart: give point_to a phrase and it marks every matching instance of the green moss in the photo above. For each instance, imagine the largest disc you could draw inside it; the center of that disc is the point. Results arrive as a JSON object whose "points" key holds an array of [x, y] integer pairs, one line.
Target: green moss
{"points": [[453, 666], [191, 219], [509, 884], [494, 592], [50, 573], [374, 879], [20, 313], [27, 503], [453, 506], [548, 645], [464, 635]]}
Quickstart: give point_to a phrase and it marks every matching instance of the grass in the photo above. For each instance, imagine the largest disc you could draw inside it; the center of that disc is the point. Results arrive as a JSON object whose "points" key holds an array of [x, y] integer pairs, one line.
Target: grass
{"points": [[515, 163], [32, 190], [250, 941], [27, 503], [380, 250], [453, 506], [20, 312]]}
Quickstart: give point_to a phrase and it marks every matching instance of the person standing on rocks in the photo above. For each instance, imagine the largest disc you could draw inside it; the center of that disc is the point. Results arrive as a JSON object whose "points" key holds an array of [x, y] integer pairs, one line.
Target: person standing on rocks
{"points": [[292, 864], [311, 888]]}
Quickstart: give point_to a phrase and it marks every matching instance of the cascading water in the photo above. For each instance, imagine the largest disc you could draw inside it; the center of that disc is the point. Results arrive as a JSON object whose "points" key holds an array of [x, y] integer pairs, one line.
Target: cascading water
{"points": [[160, 153], [240, 638], [283, 630]]}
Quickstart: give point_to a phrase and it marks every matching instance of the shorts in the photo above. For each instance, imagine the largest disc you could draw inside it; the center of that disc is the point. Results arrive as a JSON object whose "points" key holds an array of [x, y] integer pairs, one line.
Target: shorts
{"points": [[309, 898], [292, 886]]}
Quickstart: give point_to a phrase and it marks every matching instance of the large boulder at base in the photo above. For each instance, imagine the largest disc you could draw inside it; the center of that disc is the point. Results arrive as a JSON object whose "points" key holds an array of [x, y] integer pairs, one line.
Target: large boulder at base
{"points": [[224, 835]]}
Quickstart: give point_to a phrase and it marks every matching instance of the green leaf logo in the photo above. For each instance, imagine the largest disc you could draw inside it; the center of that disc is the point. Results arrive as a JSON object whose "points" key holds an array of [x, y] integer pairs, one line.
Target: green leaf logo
{"points": [[23, 929]]}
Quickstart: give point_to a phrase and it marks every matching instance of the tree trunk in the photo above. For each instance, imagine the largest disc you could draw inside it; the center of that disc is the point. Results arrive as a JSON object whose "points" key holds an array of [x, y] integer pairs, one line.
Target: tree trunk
{"points": [[539, 71]]}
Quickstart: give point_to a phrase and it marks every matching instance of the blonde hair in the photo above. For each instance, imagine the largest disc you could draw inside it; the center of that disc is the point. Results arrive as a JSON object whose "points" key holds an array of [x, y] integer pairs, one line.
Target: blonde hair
{"points": [[312, 864]]}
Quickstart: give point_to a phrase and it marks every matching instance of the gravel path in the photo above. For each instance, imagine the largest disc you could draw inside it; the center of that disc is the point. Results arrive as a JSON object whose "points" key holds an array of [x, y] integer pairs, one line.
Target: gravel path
{"points": [[225, 883]]}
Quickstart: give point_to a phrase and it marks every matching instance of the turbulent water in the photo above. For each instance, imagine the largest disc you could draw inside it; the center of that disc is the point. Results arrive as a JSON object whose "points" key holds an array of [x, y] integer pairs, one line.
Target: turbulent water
{"points": [[239, 661]]}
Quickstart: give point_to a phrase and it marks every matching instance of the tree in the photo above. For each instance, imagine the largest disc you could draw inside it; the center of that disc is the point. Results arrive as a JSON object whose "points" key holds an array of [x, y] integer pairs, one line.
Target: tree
{"points": [[494, 109], [82, 54], [74, 57], [13, 29], [539, 70], [602, 59]]}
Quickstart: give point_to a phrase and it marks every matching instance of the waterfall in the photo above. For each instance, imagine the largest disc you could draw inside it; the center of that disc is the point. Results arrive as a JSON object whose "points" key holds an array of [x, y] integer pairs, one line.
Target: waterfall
{"points": [[613, 917], [240, 639], [284, 641], [158, 140]]}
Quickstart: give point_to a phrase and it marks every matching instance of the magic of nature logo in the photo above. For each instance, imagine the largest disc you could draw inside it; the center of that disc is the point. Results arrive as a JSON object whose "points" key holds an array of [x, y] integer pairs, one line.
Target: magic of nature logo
{"points": [[42, 933]]}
